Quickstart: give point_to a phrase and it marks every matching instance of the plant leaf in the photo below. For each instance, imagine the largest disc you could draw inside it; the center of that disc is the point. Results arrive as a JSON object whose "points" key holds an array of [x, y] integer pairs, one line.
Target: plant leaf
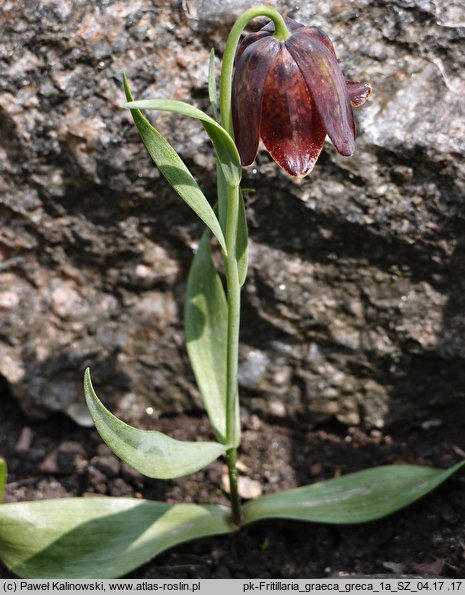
{"points": [[98, 537], [2, 478], [225, 148], [175, 171], [212, 92], [222, 193], [206, 329], [242, 241], [354, 498], [152, 453]]}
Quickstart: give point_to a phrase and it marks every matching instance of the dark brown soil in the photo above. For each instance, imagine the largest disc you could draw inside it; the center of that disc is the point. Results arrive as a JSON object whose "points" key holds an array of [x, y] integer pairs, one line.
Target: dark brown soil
{"points": [[57, 459]]}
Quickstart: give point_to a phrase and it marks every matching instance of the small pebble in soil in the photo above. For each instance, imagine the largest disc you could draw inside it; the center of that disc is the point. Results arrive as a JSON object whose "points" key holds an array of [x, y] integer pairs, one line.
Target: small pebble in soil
{"points": [[49, 465], [24, 440], [248, 488]]}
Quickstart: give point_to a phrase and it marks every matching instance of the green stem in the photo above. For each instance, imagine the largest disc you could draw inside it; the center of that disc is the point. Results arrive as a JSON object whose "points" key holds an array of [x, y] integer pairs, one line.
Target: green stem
{"points": [[230, 261], [281, 33], [236, 513], [234, 306]]}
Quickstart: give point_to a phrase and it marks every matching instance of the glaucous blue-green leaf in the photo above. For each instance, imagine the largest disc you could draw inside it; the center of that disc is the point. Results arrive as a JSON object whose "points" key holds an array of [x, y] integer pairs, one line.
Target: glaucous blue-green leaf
{"points": [[98, 537], [222, 193], [212, 92], [2, 478], [225, 148], [242, 241], [354, 498], [206, 330], [175, 171], [152, 453]]}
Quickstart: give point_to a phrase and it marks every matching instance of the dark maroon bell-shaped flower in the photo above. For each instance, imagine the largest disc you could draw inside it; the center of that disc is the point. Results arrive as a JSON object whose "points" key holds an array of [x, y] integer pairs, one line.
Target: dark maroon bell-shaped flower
{"points": [[291, 94]]}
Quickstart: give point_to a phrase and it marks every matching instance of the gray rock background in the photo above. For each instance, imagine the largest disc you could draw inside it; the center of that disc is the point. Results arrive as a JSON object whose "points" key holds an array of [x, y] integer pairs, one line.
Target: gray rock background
{"points": [[355, 302]]}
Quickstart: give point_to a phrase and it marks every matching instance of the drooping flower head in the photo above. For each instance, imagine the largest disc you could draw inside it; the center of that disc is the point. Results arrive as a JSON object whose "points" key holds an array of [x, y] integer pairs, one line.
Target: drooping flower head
{"points": [[291, 94]]}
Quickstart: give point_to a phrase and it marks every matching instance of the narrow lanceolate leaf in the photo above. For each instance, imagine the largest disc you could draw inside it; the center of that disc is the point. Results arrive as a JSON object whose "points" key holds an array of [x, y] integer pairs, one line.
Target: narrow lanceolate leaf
{"points": [[226, 151], [206, 329], [152, 453], [242, 241], [222, 193], [212, 92], [354, 498], [175, 171], [2, 478], [98, 537]]}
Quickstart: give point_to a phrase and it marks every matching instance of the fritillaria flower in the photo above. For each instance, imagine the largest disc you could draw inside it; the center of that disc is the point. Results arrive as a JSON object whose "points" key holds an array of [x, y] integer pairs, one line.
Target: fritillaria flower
{"points": [[291, 94]]}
